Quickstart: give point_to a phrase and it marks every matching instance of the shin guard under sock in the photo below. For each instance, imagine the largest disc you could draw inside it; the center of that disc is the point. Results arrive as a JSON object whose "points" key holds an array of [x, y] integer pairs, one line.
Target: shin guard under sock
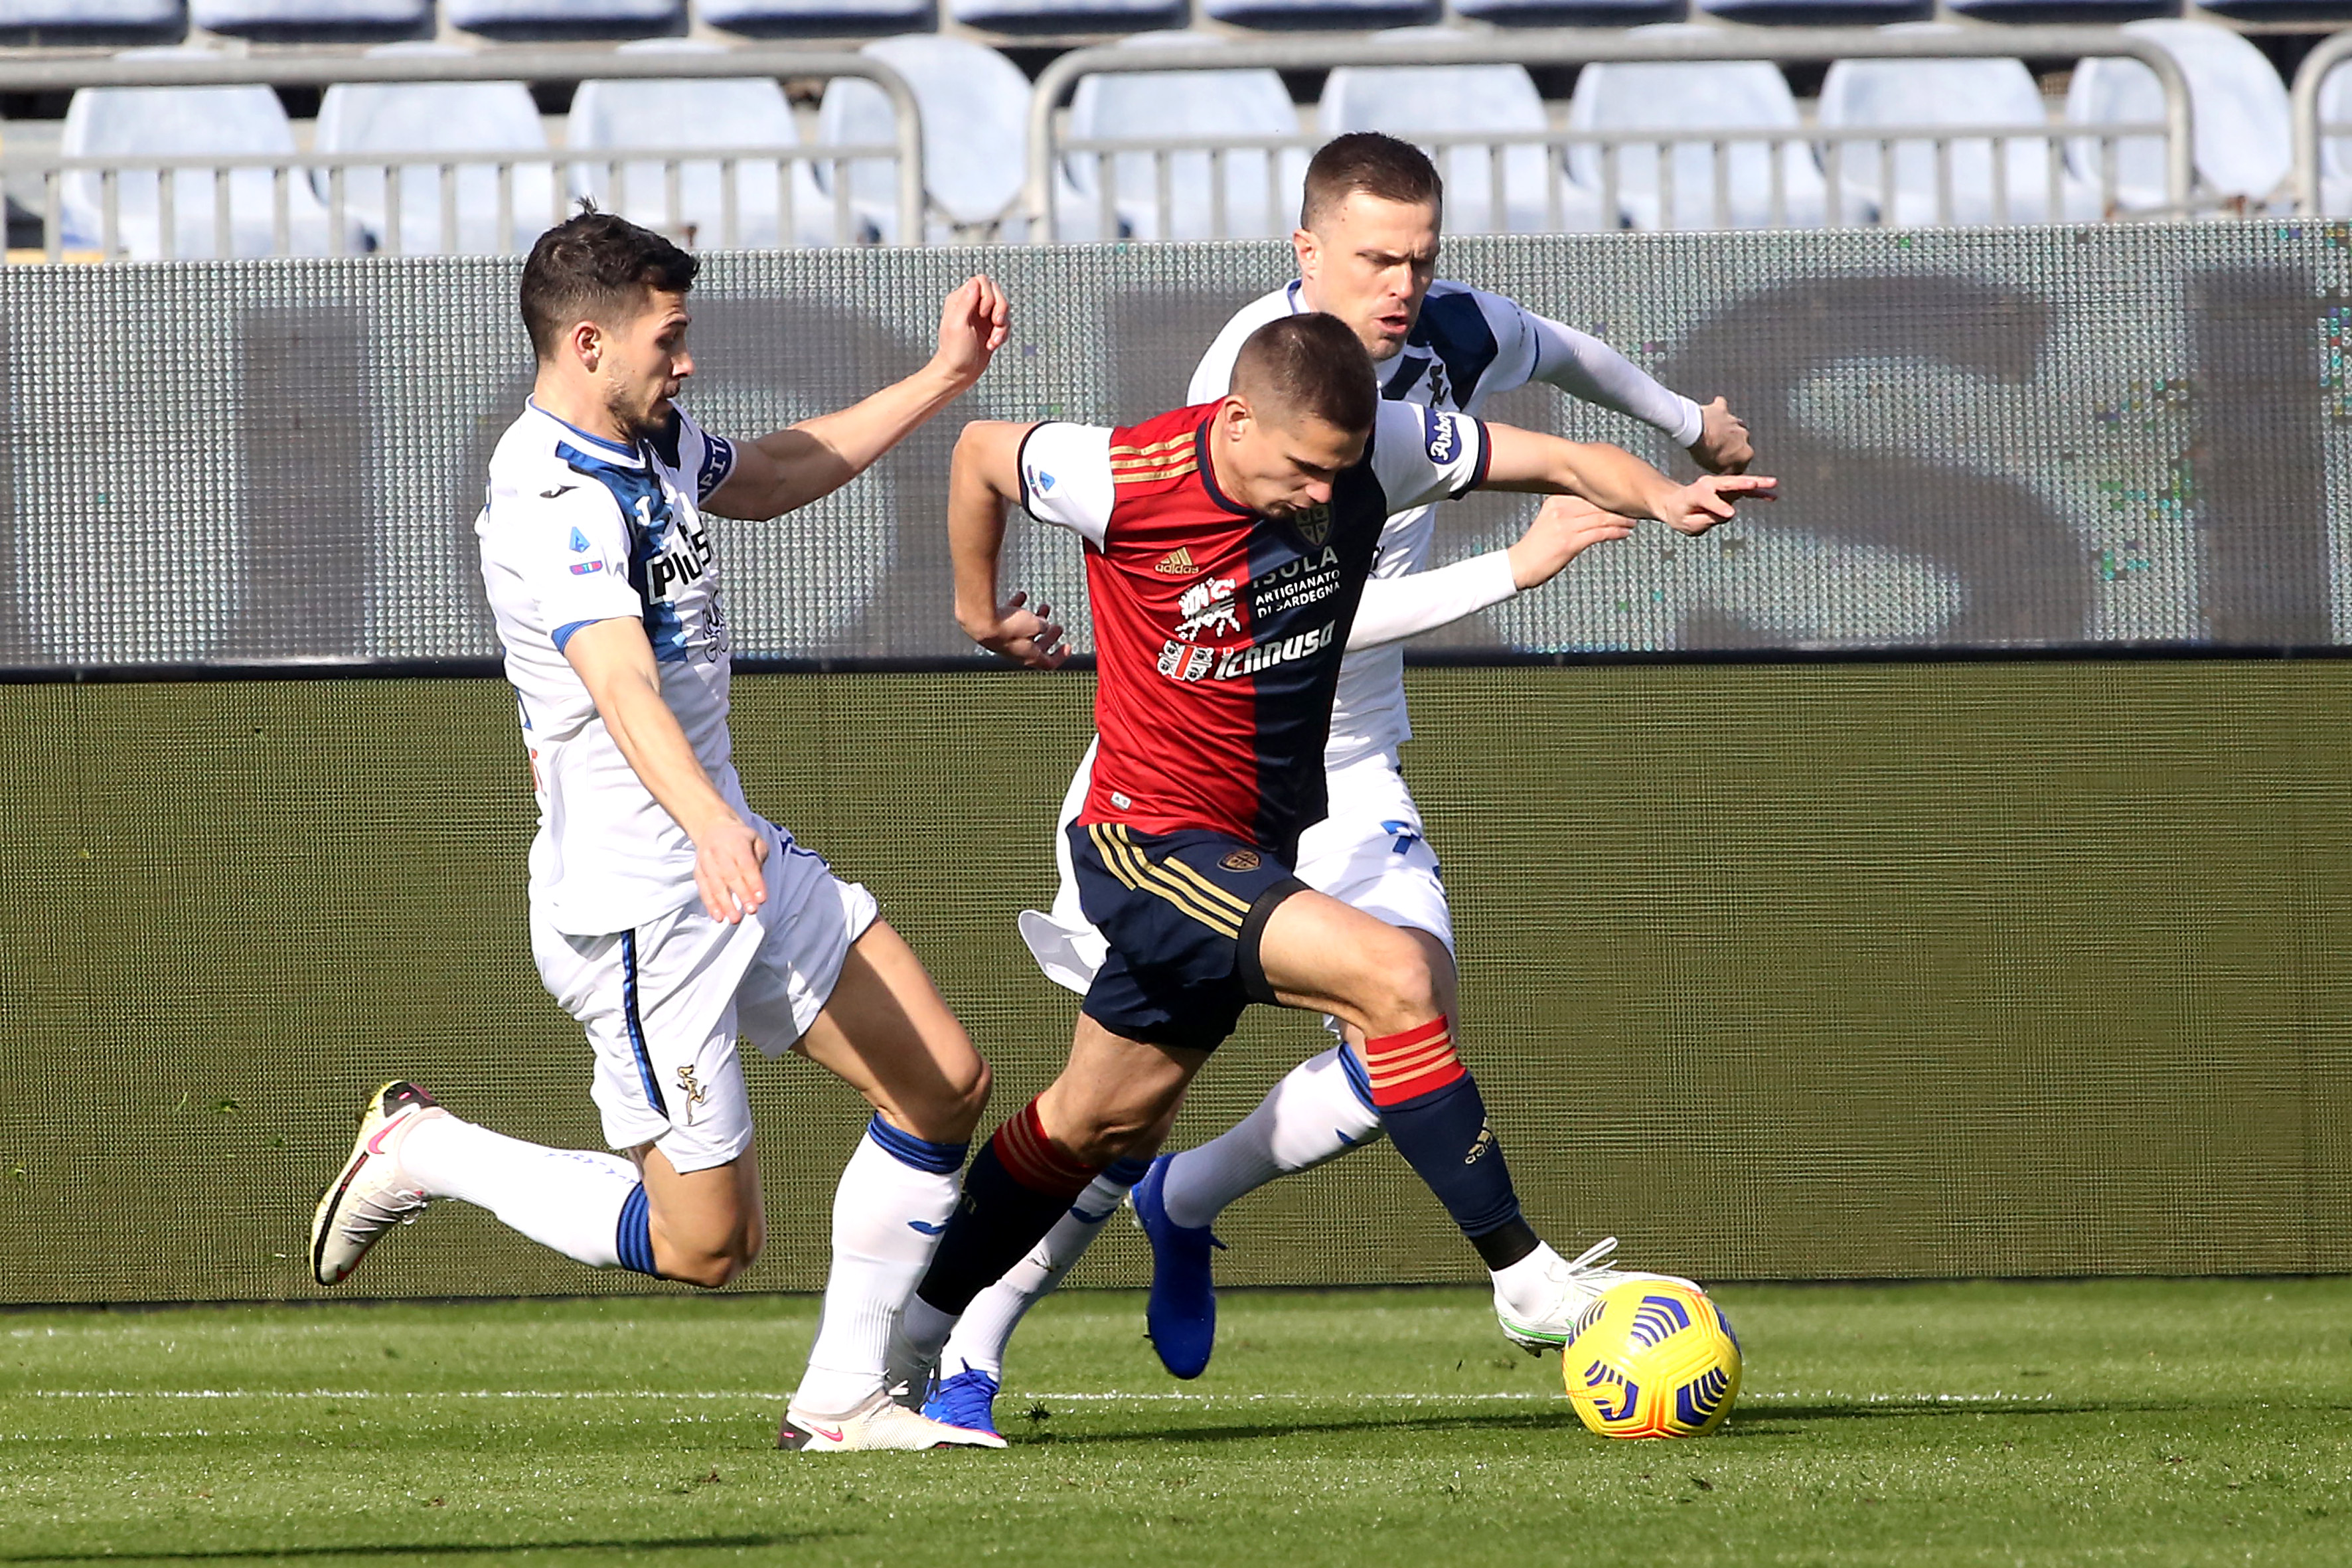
{"points": [[1017, 1188], [1437, 1120]]}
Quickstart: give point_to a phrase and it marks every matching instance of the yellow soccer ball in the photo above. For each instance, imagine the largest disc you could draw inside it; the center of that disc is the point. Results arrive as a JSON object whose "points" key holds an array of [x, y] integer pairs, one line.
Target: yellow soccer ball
{"points": [[1652, 1358]]}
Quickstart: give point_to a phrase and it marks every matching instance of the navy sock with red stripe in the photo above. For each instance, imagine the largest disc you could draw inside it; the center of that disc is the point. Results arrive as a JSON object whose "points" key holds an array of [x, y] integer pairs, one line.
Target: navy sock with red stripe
{"points": [[1017, 1188], [1437, 1120]]}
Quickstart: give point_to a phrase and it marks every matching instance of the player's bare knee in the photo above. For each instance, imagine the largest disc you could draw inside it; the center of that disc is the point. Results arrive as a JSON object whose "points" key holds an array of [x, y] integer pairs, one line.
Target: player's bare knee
{"points": [[1397, 987]]}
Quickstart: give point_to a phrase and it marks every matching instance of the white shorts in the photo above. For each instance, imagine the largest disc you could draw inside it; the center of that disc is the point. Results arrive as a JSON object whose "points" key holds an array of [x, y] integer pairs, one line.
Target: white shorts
{"points": [[1368, 853], [664, 1004]]}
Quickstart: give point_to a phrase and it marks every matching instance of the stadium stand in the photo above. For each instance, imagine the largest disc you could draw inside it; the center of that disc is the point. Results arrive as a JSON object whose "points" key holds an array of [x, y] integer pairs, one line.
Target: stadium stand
{"points": [[1413, 102], [975, 107], [2241, 107], [473, 119], [136, 123], [1697, 187], [683, 113], [1980, 183], [1260, 190], [307, 18]]}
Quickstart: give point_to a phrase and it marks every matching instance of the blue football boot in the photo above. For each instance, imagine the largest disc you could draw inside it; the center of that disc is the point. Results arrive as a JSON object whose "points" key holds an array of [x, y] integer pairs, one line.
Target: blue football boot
{"points": [[967, 1400], [1182, 1313]]}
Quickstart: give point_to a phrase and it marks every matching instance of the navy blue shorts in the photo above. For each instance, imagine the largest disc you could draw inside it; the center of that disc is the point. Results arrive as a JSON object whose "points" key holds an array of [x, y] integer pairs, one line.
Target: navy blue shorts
{"points": [[1183, 913]]}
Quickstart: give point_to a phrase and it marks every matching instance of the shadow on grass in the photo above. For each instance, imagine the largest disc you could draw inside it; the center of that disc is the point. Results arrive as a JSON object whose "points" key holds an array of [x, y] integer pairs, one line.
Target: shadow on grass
{"points": [[1753, 1421], [435, 1549]]}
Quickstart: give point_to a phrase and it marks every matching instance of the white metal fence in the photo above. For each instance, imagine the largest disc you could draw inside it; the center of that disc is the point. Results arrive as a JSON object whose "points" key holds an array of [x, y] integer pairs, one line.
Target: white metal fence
{"points": [[1124, 178], [297, 204]]}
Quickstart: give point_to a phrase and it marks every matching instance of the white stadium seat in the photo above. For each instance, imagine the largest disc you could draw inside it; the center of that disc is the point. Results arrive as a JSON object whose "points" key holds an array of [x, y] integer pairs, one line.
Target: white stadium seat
{"points": [[1727, 97], [469, 120], [173, 121], [1362, 14], [565, 15], [140, 15], [1016, 14], [1261, 192], [1409, 100], [974, 104], [2237, 101], [1955, 95], [688, 112], [850, 16], [298, 15]]}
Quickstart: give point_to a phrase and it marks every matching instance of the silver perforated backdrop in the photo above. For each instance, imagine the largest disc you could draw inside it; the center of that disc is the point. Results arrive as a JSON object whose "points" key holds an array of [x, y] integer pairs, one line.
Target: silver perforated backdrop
{"points": [[1903, 966], [2033, 438]]}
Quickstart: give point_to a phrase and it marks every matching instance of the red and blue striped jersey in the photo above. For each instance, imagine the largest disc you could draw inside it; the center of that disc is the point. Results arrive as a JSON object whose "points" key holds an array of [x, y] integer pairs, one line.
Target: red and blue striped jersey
{"points": [[1218, 632]]}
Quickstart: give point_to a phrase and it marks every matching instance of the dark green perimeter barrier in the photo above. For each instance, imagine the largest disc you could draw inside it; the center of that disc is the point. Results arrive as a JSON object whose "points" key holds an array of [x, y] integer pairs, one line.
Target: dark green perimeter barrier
{"points": [[1773, 970]]}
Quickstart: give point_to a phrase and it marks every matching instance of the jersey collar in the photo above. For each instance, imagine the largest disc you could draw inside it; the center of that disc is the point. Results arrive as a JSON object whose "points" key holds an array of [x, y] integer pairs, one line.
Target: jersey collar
{"points": [[1208, 471], [604, 446]]}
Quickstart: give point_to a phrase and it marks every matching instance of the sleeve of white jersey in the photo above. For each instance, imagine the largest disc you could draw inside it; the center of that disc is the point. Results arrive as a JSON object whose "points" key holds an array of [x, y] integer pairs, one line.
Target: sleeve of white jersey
{"points": [[1066, 477], [709, 458], [1394, 608], [1420, 455], [571, 553], [1584, 367]]}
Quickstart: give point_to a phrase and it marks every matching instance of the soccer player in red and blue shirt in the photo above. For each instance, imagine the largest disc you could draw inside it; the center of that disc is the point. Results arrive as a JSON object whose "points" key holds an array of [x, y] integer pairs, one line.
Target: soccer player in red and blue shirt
{"points": [[1227, 547]]}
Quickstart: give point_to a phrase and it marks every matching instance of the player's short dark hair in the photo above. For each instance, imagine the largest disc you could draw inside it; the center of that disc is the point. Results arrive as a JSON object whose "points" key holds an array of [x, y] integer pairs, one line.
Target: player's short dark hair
{"points": [[1367, 160], [596, 267], [1313, 364]]}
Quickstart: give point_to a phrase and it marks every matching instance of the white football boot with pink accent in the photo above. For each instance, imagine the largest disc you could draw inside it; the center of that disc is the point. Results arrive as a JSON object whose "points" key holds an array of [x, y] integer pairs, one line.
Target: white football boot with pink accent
{"points": [[372, 1193]]}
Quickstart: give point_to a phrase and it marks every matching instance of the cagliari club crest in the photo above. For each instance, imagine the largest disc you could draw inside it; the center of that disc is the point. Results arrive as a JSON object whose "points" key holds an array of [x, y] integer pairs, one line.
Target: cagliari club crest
{"points": [[1314, 524]]}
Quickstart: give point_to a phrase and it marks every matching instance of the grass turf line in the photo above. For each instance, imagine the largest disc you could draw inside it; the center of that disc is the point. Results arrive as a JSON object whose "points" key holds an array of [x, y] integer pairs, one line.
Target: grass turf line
{"points": [[2111, 1422]]}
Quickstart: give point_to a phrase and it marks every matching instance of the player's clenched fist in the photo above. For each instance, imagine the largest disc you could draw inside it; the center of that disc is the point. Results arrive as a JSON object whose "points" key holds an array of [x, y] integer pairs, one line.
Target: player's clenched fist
{"points": [[972, 326], [1723, 446], [1698, 506]]}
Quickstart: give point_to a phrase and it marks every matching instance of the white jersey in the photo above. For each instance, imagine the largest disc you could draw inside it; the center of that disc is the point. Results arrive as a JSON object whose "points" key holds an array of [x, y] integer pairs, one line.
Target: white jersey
{"points": [[1467, 346], [577, 530]]}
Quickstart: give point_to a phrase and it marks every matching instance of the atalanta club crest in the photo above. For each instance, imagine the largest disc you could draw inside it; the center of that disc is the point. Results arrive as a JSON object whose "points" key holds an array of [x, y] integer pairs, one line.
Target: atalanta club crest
{"points": [[1314, 524]]}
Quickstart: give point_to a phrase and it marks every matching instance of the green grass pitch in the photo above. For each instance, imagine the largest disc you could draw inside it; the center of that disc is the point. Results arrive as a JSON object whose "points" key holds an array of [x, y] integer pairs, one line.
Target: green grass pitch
{"points": [[2118, 1422]]}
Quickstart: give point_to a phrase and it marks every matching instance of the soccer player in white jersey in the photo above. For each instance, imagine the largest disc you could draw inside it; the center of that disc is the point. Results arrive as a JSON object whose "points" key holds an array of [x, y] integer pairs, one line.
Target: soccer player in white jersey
{"points": [[1366, 251], [666, 915]]}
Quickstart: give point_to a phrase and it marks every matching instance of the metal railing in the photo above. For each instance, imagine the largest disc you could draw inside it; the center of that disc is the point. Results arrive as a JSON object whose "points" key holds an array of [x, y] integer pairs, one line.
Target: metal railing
{"points": [[1049, 146], [48, 177], [2309, 177]]}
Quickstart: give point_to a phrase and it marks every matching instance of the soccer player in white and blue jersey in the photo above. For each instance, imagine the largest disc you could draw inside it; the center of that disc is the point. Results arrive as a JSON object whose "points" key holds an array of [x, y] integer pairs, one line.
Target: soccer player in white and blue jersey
{"points": [[666, 916], [1367, 252]]}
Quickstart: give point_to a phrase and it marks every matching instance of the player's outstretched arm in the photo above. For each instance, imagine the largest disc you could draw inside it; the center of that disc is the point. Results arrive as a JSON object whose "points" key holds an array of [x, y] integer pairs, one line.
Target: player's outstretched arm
{"points": [[984, 479], [1394, 608], [615, 662], [1614, 480], [1584, 367], [815, 457]]}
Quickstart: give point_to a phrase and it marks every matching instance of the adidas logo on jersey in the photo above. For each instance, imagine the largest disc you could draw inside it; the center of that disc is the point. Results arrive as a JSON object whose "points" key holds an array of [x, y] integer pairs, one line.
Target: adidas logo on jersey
{"points": [[1177, 563]]}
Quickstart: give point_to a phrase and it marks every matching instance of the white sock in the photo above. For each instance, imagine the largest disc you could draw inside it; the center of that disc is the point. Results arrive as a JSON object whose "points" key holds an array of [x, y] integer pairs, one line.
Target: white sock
{"points": [[569, 1199], [894, 1200], [1312, 1116], [981, 1334], [1526, 1287]]}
